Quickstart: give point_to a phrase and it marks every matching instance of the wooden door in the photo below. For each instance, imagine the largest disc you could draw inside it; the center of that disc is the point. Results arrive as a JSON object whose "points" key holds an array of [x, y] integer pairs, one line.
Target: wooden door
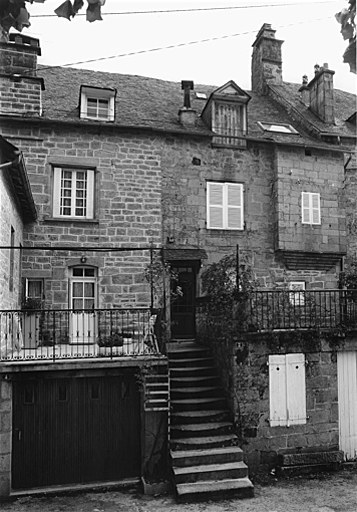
{"points": [[183, 296], [75, 430], [347, 402]]}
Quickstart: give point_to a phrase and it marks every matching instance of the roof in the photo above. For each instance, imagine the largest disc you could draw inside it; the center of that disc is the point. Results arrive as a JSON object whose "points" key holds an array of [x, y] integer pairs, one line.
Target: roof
{"points": [[13, 163], [153, 104]]}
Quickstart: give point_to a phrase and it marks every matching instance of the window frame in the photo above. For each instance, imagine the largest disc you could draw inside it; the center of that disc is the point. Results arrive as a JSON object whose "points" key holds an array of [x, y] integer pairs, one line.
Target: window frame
{"points": [[287, 390], [97, 93], [57, 177], [267, 128], [307, 212], [225, 206], [241, 112], [296, 298]]}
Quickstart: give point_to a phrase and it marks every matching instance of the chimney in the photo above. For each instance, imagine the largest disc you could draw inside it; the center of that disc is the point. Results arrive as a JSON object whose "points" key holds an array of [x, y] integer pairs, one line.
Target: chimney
{"points": [[305, 93], [20, 92], [187, 115], [321, 94], [266, 60]]}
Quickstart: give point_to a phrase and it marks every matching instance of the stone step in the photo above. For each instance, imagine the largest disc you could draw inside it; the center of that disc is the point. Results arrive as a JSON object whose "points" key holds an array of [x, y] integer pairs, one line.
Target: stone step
{"points": [[183, 458], [181, 382], [175, 350], [196, 392], [192, 404], [200, 416], [193, 371], [190, 362], [201, 429], [198, 490], [203, 442], [225, 471]]}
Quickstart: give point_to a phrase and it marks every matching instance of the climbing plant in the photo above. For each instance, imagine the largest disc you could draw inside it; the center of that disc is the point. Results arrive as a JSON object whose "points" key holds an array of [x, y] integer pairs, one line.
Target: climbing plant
{"points": [[346, 18]]}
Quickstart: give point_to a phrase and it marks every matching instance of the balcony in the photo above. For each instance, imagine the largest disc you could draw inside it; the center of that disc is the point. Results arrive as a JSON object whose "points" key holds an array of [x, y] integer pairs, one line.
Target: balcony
{"points": [[78, 334]]}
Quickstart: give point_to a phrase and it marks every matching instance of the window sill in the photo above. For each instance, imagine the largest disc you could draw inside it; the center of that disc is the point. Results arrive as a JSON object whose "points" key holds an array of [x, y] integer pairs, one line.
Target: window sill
{"points": [[73, 219]]}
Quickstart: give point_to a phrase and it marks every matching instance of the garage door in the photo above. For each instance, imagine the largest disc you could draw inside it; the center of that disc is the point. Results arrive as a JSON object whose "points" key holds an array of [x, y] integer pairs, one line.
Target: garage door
{"points": [[75, 430]]}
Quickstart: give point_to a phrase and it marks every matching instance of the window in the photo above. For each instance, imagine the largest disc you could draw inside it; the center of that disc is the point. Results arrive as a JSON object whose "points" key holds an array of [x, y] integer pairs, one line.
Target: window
{"points": [[277, 127], [287, 390], [310, 208], [229, 120], [34, 289], [12, 259], [97, 103], [224, 205], [73, 193], [297, 296]]}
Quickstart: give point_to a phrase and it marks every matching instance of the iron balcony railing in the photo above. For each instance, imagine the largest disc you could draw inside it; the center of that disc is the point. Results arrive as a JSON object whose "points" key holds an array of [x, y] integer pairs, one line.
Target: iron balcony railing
{"points": [[68, 334]]}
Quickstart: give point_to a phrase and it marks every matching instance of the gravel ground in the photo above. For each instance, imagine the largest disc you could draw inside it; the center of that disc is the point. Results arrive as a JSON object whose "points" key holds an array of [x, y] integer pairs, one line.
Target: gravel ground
{"points": [[327, 492]]}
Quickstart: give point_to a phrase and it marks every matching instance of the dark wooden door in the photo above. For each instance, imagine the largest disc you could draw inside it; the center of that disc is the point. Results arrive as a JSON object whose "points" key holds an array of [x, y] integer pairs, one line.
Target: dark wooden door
{"points": [[183, 289], [75, 430]]}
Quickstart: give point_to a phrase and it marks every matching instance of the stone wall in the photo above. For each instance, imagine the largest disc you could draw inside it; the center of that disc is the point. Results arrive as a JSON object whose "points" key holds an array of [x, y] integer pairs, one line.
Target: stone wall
{"points": [[127, 210]]}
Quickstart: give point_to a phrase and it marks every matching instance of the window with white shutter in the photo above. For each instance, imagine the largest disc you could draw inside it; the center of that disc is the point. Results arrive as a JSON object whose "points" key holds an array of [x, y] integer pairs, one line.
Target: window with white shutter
{"points": [[310, 208], [73, 193], [224, 205], [287, 390]]}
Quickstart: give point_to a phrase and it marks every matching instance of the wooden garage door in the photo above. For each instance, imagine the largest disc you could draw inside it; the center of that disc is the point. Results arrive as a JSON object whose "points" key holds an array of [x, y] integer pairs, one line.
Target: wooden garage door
{"points": [[75, 430]]}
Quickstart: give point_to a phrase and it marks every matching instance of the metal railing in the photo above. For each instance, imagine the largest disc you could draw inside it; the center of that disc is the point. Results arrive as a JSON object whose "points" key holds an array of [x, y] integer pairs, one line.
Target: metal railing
{"points": [[68, 334]]}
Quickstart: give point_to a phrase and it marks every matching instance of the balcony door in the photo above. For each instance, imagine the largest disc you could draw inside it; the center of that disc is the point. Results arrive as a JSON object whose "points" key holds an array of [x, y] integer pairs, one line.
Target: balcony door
{"points": [[83, 300], [183, 296]]}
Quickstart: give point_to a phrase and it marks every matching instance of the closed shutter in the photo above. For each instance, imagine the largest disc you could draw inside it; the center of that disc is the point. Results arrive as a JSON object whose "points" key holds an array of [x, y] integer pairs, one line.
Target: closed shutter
{"points": [[315, 209], [215, 205], [310, 208], [277, 390], [90, 194], [305, 207], [234, 206], [57, 173], [296, 389]]}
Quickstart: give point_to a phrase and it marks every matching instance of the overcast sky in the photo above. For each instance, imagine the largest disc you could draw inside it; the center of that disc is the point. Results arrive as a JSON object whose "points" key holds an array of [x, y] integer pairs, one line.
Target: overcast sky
{"points": [[309, 29]]}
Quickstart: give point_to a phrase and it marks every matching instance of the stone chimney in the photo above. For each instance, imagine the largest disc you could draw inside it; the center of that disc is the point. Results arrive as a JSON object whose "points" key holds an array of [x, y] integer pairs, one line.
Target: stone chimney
{"points": [[266, 60], [20, 91], [321, 94], [305, 92], [187, 115]]}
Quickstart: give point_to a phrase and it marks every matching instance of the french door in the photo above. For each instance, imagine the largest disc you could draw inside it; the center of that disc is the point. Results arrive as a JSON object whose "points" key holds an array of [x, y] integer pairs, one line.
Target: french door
{"points": [[83, 301]]}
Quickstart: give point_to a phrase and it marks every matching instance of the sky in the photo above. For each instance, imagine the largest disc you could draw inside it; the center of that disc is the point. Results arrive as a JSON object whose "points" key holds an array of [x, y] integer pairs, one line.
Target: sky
{"points": [[308, 28]]}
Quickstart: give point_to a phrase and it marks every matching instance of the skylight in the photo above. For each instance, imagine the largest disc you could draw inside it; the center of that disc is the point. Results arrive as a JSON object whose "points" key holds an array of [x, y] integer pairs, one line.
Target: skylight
{"points": [[201, 95], [277, 127]]}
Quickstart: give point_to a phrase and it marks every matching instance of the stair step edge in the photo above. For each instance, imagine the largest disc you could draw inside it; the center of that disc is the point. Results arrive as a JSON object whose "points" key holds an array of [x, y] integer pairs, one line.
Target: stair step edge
{"points": [[213, 486], [204, 468], [182, 454]]}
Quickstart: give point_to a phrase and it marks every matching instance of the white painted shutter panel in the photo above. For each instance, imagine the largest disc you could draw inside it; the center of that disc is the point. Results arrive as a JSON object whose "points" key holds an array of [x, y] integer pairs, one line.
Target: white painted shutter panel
{"points": [[277, 390], [215, 205], [57, 174], [90, 194], [305, 207], [347, 402], [296, 389], [315, 209], [234, 206]]}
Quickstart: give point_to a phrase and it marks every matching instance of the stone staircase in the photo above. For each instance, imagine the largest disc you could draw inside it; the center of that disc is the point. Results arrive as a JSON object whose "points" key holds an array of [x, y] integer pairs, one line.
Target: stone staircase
{"points": [[205, 457]]}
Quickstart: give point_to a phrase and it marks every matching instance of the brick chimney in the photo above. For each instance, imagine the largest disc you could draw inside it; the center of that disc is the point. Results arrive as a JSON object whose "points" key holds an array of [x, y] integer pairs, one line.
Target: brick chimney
{"points": [[20, 91], [321, 94], [266, 60]]}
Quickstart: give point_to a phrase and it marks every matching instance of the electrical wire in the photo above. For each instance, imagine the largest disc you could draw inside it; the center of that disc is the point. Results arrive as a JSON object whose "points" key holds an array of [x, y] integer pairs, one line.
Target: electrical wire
{"points": [[198, 9]]}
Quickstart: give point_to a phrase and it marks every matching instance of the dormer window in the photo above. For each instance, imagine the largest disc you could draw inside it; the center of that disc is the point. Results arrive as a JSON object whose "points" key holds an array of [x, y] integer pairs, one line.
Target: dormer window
{"points": [[226, 114], [97, 103]]}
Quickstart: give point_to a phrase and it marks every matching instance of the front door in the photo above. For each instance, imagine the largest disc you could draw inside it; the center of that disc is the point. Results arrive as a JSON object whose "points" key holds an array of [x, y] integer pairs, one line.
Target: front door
{"points": [[83, 303], [183, 294], [347, 402]]}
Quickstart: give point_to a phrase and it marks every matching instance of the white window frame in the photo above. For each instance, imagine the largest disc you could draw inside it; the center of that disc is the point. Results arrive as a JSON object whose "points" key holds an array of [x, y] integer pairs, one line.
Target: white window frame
{"points": [[57, 193], [310, 208], [297, 298], [97, 94], [278, 128], [287, 390], [223, 207]]}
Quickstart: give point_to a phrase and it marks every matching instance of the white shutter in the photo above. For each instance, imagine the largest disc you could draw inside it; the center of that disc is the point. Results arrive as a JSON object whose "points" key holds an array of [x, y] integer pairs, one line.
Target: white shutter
{"points": [[56, 192], [215, 205], [90, 194], [296, 389], [305, 208], [315, 209], [277, 390], [234, 206]]}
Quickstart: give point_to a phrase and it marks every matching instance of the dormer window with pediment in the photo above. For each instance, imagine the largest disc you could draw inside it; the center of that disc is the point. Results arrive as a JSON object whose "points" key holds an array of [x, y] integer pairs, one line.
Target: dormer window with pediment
{"points": [[97, 103], [226, 115]]}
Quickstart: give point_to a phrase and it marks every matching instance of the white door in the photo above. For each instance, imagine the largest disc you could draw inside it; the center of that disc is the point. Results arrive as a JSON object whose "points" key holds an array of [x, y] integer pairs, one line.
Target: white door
{"points": [[347, 402], [83, 303]]}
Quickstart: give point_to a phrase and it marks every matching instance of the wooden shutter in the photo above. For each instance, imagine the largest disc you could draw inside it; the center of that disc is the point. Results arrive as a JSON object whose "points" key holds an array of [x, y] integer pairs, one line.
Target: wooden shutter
{"points": [[296, 389], [56, 193], [234, 206], [277, 390], [90, 194], [310, 208], [305, 207], [315, 209], [215, 205]]}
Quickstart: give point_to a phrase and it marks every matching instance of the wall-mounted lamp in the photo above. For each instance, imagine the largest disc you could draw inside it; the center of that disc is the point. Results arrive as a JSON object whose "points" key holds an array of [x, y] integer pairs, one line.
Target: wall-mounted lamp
{"points": [[83, 259]]}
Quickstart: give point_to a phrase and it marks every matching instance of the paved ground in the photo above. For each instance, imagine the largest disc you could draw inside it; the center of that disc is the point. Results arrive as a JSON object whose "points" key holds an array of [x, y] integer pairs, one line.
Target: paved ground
{"points": [[336, 492]]}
